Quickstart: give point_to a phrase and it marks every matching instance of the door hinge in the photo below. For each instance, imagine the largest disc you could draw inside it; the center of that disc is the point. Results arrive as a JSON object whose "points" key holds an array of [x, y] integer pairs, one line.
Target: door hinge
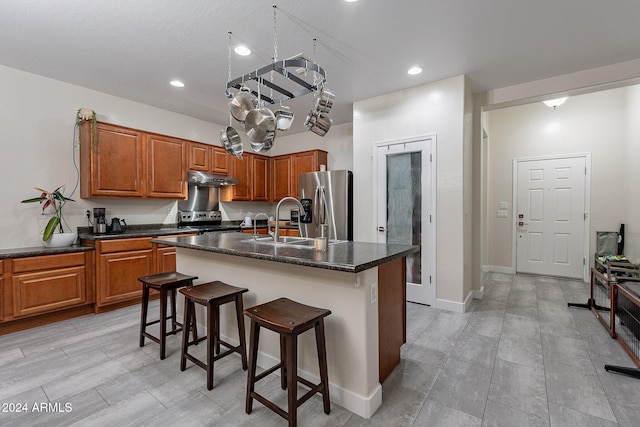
{"points": [[429, 218], [431, 157], [429, 279], [584, 262], [585, 170]]}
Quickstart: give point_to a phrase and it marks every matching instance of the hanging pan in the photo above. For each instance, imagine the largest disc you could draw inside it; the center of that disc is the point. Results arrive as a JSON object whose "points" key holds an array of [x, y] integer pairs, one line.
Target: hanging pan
{"points": [[243, 102], [231, 141]]}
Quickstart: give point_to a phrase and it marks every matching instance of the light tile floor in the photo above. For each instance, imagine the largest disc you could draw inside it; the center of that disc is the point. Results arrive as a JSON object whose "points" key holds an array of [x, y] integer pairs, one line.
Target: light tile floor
{"points": [[519, 357]]}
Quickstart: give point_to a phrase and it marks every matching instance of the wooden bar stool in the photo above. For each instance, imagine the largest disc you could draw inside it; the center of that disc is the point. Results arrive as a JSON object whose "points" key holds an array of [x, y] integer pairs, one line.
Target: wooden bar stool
{"points": [[212, 295], [289, 319], [166, 284]]}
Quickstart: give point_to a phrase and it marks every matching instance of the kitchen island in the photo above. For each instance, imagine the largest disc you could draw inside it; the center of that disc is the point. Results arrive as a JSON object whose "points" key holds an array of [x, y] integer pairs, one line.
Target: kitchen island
{"points": [[363, 284]]}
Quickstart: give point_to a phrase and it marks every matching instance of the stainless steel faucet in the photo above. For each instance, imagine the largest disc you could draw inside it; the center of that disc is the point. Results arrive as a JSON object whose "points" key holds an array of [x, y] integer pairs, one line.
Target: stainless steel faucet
{"points": [[276, 232], [255, 221]]}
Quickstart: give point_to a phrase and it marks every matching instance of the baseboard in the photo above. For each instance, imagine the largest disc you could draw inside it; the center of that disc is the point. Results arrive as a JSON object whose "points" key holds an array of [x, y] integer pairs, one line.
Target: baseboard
{"points": [[497, 269], [479, 293], [456, 307], [359, 405]]}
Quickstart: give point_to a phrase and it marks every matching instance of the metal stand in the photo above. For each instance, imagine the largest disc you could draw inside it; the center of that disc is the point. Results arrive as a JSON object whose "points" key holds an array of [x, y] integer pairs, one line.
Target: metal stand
{"points": [[633, 372], [591, 303]]}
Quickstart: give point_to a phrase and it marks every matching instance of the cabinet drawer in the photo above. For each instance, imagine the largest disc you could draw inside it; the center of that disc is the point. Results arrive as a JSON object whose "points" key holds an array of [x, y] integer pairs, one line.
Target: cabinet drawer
{"points": [[123, 245], [47, 262], [45, 291]]}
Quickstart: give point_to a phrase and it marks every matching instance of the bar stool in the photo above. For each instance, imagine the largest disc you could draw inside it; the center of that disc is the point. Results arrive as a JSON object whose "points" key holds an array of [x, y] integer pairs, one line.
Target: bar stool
{"points": [[166, 284], [289, 319], [212, 295]]}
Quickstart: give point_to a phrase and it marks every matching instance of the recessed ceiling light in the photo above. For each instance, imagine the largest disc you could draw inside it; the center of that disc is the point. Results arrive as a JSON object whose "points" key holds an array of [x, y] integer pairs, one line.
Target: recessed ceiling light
{"points": [[242, 50], [351, 1], [176, 83], [414, 70]]}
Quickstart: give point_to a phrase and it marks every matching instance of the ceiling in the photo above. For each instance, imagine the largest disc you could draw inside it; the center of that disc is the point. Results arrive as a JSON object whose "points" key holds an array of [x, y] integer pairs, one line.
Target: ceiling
{"points": [[132, 49]]}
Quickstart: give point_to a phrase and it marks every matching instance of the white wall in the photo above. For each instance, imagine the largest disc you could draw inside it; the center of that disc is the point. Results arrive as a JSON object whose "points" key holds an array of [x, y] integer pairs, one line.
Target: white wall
{"points": [[435, 108], [593, 123], [631, 216]]}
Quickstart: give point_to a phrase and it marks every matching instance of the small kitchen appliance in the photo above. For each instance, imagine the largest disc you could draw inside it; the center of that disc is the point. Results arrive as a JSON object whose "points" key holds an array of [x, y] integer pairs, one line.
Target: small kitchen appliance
{"points": [[118, 225], [99, 221]]}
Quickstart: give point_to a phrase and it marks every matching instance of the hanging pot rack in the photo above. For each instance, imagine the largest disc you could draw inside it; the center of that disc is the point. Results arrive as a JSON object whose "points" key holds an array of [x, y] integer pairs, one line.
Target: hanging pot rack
{"points": [[300, 86]]}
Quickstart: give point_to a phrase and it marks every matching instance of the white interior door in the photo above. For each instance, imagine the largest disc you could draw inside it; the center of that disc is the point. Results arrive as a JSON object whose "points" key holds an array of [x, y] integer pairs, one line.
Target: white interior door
{"points": [[404, 206], [550, 216]]}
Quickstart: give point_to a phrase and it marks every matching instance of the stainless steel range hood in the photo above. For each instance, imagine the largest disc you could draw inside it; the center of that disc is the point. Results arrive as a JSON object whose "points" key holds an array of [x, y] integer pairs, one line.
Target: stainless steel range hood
{"points": [[205, 179]]}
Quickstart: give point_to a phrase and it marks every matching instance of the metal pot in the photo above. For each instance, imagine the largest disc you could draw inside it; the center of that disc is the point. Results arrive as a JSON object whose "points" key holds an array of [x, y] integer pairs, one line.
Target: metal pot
{"points": [[318, 123], [324, 101], [231, 141], [243, 102], [284, 119], [258, 124], [265, 145]]}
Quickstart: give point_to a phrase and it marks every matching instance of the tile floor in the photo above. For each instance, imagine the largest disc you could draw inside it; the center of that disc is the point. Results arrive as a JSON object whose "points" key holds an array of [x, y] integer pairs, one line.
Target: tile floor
{"points": [[519, 357]]}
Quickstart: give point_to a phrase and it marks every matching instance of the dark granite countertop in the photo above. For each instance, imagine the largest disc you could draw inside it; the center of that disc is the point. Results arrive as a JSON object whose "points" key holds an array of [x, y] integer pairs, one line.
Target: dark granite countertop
{"points": [[137, 230], [41, 250], [351, 257]]}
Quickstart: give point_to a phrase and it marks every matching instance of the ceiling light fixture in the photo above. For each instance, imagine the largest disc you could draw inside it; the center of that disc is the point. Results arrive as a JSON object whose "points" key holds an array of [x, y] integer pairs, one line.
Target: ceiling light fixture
{"points": [[242, 50], [414, 70], [176, 83], [351, 1], [554, 103]]}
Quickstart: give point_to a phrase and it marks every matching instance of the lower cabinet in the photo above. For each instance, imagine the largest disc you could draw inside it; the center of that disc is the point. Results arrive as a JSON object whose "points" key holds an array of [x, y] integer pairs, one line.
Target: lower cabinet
{"points": [[119, 263], [1, 290], [43, 284]]}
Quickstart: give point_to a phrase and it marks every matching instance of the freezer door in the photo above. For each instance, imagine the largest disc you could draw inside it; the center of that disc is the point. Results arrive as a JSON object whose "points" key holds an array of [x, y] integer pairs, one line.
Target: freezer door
{"points": [[331, 198]]}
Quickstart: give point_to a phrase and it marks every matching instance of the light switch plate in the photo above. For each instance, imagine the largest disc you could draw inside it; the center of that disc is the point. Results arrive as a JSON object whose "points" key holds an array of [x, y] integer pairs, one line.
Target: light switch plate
{"points": [[503, 214], [504, 205]]}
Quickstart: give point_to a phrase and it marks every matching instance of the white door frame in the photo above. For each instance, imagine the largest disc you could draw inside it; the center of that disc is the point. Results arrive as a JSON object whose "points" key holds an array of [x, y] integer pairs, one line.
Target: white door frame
{"points": [[587, 206], [428, 225]]}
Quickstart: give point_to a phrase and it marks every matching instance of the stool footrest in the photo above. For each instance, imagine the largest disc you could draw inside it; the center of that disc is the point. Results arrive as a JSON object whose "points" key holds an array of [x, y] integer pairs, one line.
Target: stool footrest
{"points": [[267, 372], [275, 408]]}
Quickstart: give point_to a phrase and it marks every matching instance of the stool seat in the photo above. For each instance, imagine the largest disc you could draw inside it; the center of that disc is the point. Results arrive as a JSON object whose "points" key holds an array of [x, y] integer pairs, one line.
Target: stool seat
{"points": [[289, 319], [212, 295], [170, 278], [166, 283]]}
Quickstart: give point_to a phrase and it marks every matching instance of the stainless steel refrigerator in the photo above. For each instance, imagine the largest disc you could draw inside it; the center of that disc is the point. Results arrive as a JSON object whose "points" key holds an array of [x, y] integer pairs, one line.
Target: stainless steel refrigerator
{"points": [[327, 198]]}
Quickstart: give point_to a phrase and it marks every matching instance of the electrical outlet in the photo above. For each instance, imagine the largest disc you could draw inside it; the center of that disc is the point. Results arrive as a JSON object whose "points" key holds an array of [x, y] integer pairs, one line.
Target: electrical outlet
{"points": [[88, 213], [374, 292]]}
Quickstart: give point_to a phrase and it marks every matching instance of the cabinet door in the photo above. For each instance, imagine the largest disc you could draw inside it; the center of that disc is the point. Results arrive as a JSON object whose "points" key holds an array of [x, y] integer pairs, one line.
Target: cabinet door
{"points": [[48, 290], [165, 259], [1, 290], [166, 171], [242, 171], [118, 275], [220, 160], [306, 161], [281, 185], [260, 179], [199, 156], [111, 166]]}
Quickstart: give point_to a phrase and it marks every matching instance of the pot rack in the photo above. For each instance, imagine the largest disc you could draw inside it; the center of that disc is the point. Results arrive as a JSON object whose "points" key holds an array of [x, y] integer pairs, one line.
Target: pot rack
{"points": [[301, 87]]}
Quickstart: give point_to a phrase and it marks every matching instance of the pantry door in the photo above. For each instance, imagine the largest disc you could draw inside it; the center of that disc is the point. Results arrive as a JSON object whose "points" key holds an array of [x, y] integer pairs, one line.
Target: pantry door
{"points": [[551, 216]]}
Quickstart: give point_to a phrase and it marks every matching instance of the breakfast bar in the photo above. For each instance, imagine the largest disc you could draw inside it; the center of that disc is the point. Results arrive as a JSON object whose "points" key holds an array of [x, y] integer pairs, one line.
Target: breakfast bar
{"points": [[363, 284]]}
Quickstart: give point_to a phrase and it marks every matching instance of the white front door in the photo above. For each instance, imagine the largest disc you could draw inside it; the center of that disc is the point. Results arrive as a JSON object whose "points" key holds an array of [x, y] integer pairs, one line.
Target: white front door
{"points": [[404, 206], [550, 216]]}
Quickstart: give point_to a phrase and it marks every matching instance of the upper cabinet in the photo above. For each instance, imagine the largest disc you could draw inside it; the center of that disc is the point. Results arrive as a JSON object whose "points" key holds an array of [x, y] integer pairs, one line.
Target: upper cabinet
{"points": [[112, 165], [166, 178], [207, 158], [285, 170], [252, 172], [123, 162]]}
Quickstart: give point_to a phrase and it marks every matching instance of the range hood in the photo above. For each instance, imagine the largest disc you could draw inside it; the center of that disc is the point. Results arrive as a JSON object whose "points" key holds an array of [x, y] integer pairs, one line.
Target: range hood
{"points": [[205, 179]]}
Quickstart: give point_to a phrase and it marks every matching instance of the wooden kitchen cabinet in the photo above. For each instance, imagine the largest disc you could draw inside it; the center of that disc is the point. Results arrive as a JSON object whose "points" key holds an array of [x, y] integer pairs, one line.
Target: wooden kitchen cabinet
{"points": [[43, 284], [112, 165], [129, 163], [281, 184], [119, 263], [166, 255], [166, 167], [252, 173], [1, 290], [303, 162], [207, 158]]}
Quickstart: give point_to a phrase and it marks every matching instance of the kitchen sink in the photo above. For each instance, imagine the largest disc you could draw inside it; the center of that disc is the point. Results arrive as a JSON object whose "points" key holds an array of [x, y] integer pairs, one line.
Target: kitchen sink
{"points": [[289, 241]]}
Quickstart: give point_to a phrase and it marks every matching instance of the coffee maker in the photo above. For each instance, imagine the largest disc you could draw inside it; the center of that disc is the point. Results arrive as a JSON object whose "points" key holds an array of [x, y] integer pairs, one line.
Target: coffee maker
{"points": [[99, 221]]}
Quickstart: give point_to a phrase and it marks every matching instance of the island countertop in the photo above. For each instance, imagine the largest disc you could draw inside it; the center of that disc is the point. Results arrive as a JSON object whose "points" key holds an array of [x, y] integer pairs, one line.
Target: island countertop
{"points": [[351, 257]]}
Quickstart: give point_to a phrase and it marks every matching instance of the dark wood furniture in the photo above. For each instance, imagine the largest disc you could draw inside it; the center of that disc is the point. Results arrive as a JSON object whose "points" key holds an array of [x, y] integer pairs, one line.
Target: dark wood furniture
{"points": [[212, 295], [166, 284], [289, 319], [626, 307]]}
